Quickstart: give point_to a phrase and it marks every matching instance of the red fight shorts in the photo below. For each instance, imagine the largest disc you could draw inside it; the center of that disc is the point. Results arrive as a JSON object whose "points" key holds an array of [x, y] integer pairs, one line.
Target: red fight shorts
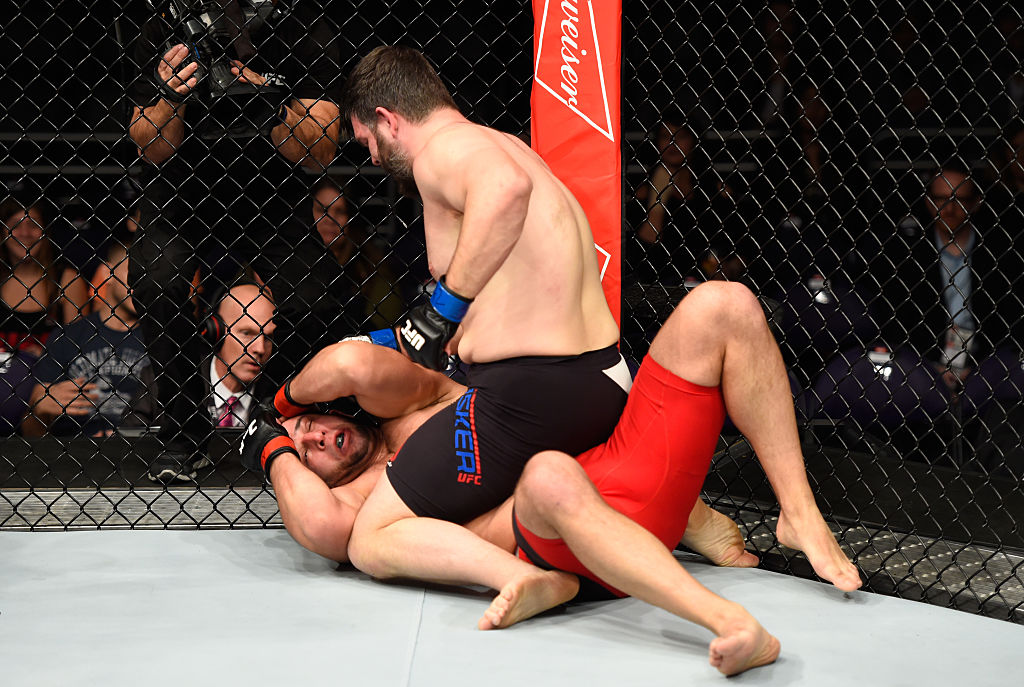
{"points": [[652, 467]]}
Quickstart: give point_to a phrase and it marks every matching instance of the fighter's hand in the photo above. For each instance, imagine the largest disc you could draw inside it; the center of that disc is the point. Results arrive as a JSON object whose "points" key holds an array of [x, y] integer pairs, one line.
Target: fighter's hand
{"points": [[263, 441], [179, 81], [72, 396], [429, 327], [285, 404], [246, 75]]}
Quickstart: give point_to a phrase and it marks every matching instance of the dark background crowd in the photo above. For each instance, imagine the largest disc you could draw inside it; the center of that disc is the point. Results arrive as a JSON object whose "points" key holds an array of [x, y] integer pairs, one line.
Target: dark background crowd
{"points": [[861, 168]]}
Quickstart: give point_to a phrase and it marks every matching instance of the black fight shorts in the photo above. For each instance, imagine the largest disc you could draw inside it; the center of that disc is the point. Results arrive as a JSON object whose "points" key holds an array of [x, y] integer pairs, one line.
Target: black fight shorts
{"points": [[466, 459]]}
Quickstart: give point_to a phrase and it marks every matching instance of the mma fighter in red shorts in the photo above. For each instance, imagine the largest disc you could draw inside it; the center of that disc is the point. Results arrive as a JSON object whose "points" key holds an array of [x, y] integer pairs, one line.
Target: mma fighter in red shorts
{"points": [[606, 520]]}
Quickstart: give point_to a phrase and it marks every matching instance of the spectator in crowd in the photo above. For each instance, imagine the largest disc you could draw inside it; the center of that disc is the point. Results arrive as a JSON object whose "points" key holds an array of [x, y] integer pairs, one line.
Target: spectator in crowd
{"points": [[241, 327], [909, 78], [1008, 65], [16, 384], [363, 258], [766, 71], [813, 216], [1006, 197], [951, 285], [816, 176], [91, 367], [692, 226], [224, 170], [37, 291]]}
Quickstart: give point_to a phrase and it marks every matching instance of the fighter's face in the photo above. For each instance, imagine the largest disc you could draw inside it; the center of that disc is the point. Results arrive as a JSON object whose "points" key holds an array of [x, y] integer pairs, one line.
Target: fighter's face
{"points": [[330, 444], [365, 138], [393, 158], [385, 151]]}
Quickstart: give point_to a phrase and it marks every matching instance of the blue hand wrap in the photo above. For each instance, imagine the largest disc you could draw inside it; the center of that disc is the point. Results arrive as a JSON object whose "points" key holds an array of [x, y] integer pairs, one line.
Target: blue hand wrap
{"points": [[384, 337], [448, 304]]}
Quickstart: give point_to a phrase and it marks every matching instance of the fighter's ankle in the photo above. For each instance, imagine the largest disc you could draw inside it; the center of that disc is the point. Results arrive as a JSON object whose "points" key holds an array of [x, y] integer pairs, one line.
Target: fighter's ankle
{"points": [[800, 512], [730, 618]]}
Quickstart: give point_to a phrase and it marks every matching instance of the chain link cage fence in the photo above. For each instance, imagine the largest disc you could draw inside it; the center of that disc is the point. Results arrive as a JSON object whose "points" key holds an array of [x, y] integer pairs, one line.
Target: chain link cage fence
{"points": [[860, 167]]}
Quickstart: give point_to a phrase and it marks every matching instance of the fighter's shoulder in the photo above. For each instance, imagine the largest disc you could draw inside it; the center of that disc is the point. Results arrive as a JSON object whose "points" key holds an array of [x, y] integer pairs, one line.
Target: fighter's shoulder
{"points": [[459, 141]]}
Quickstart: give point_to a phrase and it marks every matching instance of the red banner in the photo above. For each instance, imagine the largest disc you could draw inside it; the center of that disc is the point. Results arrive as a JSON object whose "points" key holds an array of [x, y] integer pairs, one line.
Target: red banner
{"points": [[575, 107]]}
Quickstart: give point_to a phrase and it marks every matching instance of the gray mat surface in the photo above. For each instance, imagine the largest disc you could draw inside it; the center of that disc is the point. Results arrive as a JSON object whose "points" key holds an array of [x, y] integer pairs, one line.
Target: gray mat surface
{"points": [[252, 608]]}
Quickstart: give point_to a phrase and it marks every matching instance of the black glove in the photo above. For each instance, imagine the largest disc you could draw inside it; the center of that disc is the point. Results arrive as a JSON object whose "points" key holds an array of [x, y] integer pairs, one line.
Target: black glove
{"points": [[263, 441], [429, 327]]}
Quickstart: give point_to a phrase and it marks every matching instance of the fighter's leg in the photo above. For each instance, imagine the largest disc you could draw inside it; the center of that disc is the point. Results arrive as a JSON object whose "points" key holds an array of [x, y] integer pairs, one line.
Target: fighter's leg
{"points": [[718, 336], [556, 500], [389, 541]]}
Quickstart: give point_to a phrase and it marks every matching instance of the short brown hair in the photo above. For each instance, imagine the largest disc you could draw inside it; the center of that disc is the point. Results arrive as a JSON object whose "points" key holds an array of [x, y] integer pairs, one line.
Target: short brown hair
{"points": [[397, 78]]}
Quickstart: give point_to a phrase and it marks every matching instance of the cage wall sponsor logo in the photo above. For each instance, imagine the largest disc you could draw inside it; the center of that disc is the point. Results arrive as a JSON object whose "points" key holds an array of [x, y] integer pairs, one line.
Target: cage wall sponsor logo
{"points": [[603, 259], [574, 75]]}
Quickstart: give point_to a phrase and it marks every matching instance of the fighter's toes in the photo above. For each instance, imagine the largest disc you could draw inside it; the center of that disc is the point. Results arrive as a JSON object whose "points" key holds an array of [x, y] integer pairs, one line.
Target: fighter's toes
{"points": [[812, 536], [845, 577], [495, 613], [528, 595]]}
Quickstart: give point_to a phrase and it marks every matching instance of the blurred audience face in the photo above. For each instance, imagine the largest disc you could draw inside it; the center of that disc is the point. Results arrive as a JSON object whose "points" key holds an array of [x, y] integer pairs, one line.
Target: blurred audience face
{"points": [[118, 294], [23, 233], [249, 317], [330, 214], [676, 145], [951, 200]]}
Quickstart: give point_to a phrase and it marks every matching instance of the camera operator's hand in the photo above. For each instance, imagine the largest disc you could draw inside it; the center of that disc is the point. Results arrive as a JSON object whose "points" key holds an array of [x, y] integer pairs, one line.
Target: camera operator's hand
{"points": [[246, 75], [309, 129], [180, 82]]}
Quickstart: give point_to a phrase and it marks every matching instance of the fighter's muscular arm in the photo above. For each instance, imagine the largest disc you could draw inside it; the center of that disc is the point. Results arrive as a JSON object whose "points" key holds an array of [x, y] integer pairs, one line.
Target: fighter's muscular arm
{"points": [[384, 382], [318, 517], [492, 192]]}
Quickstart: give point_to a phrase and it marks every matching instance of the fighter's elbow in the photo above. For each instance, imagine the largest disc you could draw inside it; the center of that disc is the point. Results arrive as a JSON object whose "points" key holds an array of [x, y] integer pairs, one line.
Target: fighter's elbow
{"points": [[325, 536], [517, 189]]}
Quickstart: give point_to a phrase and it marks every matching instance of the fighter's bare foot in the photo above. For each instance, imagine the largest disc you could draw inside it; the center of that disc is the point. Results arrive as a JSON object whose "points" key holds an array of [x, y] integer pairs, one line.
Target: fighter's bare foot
{"points": [[528, 595], [811, 535], [741, 647], [715, 536]]}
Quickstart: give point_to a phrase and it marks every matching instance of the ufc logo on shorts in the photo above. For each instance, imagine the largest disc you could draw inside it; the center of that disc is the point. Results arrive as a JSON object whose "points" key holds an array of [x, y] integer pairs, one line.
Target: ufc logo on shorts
{"points": [[411, 336]]}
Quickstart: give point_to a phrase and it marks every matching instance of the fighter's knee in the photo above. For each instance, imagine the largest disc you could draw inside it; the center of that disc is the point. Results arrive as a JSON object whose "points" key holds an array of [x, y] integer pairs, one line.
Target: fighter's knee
{"points": [[725, 302], [552, 483]]}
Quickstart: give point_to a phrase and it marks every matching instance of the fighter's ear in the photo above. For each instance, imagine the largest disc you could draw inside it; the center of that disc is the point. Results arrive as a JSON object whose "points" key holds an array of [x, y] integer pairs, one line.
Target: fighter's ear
{"points": [[388, 119]]}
